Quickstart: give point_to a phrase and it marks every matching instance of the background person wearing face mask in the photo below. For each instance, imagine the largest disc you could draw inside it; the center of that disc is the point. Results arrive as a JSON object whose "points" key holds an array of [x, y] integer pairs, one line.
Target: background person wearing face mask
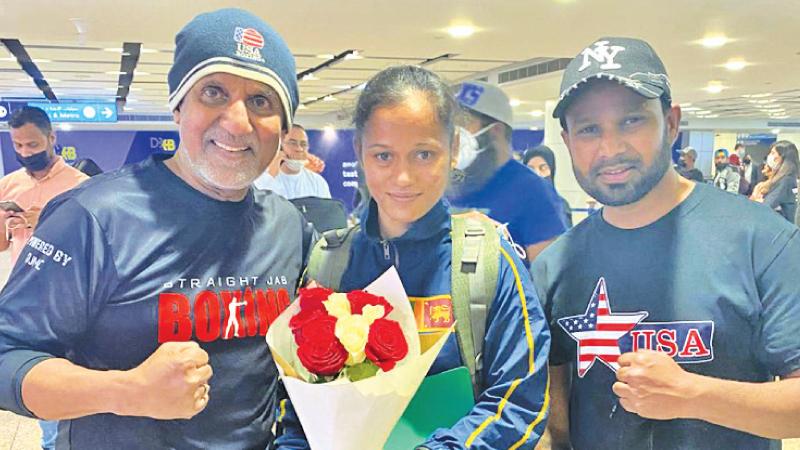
{"points": [[292, 179], [43, 176], [543, 162], [752, 173], [492, 182], [778, 191], [686, 165]]}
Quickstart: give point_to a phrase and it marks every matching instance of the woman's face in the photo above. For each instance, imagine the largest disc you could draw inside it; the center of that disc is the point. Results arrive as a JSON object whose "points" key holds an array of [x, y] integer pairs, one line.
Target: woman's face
{"points": [[540, 166], [407, 156], [776, 156]]}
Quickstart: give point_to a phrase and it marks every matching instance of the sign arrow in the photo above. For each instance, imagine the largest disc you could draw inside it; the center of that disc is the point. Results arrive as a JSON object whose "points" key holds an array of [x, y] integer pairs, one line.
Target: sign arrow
{"points": [[106, 112]]}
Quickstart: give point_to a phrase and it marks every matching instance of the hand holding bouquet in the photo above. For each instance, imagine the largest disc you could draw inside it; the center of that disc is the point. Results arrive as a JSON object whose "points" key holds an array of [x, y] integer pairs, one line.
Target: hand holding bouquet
{"points": [[351, 362]]}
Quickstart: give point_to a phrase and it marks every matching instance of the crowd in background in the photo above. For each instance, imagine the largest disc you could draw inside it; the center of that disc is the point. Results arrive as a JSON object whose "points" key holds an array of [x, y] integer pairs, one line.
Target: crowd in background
{"points": [[773, 183]]}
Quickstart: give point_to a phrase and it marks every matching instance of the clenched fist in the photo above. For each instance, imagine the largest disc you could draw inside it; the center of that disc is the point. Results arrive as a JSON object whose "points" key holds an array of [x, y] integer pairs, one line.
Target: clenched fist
{"points": [[172, 383], [652, 385]]}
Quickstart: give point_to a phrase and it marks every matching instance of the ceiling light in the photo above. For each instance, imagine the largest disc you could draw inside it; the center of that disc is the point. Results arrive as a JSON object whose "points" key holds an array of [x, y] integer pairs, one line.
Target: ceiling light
{"points": [[309, 77], [148, 50], [776, 131], [711, 116], [685, 105], [65, 126], [140, 73], [537, 113], [131, 100], [714, 41], [714, 87], [461, 31], [8, 59], [690, 109], [325, 56], [514, 102], [702, 112], [329, 128], [354, 55], [329, 98], [302, 106], [534, 128], [116, 72], [766, 94], [735, 64], [40, 60]]}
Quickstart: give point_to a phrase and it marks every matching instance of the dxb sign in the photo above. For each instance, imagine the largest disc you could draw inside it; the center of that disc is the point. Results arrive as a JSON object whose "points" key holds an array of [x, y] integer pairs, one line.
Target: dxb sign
{"points": [[165, 144]]}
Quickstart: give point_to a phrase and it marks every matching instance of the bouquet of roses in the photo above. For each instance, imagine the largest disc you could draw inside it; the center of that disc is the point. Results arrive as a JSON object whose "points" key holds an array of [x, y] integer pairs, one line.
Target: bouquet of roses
{"points": [[346, 335], [351, 362]]}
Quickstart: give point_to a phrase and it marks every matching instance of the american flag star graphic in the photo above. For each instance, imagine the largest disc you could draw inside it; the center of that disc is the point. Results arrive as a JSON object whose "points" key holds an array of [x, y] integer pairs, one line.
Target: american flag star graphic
{"points": [[598, 330], [249, 37]]}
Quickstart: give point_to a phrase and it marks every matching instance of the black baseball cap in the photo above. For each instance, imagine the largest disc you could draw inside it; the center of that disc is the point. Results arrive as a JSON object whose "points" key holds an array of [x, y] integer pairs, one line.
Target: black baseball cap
{"points": [[631, 62]]}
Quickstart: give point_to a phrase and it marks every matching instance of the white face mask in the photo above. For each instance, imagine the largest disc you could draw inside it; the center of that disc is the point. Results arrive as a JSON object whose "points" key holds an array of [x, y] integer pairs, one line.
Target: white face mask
{"points": [[468, 146], [295, 165], [772, 161]]}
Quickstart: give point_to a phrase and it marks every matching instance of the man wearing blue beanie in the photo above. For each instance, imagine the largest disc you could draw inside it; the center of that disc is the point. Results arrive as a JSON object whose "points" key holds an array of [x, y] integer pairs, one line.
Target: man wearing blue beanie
{"points": [[141, 284]]}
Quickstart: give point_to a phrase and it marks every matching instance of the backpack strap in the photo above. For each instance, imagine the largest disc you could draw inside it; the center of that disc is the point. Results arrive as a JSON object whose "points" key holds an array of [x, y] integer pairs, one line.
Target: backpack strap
{"points": [[330, 256], [474, 273]]}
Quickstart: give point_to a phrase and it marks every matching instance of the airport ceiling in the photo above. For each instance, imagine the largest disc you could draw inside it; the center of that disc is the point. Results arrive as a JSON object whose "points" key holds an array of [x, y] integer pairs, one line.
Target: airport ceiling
{"points": [[77, 47]]}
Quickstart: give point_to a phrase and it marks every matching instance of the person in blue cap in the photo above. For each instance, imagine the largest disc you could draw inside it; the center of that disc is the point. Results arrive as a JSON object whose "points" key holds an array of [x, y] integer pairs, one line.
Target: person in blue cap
{"points": [[664, 336], [138, 287]]}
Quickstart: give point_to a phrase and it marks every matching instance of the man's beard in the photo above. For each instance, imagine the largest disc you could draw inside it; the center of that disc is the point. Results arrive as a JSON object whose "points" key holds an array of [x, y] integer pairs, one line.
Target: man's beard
{"points": [[635, 188], [477, 174]]}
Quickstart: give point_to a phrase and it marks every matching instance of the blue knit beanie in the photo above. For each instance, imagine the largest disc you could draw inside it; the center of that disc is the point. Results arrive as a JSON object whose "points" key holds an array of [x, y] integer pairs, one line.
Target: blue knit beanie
{"points": [[237, 42]]}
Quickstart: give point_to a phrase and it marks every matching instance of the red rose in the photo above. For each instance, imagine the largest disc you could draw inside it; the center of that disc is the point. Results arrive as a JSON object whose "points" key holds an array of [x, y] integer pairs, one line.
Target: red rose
{"points": [[299, 320], [386, 344], [312, 298], [360, 299], [319, 350]]}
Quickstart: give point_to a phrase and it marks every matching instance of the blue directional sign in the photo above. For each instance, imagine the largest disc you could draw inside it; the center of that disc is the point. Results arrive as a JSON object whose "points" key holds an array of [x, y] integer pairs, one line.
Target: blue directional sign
{"points": [[79, 112], [5, 111]]}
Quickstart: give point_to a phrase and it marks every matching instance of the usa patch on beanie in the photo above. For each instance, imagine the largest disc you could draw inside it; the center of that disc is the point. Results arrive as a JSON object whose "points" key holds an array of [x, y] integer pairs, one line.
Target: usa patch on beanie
{"points": [[237, 42]]}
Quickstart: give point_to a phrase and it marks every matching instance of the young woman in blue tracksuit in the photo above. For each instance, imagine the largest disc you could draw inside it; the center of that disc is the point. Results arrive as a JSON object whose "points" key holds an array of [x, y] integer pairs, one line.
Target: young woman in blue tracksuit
{"points": [[407, 144]]}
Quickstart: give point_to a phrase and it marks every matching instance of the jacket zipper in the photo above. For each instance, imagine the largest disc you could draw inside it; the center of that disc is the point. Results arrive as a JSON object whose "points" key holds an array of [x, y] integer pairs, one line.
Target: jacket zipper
{"points": [[387, 253]]}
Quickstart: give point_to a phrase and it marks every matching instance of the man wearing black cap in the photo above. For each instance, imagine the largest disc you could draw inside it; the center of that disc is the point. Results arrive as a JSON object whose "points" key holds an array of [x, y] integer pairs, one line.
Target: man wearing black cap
{"points": [[658, 342], [135, 287]]}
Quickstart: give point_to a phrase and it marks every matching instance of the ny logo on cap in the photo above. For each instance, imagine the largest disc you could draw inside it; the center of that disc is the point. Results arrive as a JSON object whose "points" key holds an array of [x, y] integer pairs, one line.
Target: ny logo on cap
{"points": [[602, 53]]}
